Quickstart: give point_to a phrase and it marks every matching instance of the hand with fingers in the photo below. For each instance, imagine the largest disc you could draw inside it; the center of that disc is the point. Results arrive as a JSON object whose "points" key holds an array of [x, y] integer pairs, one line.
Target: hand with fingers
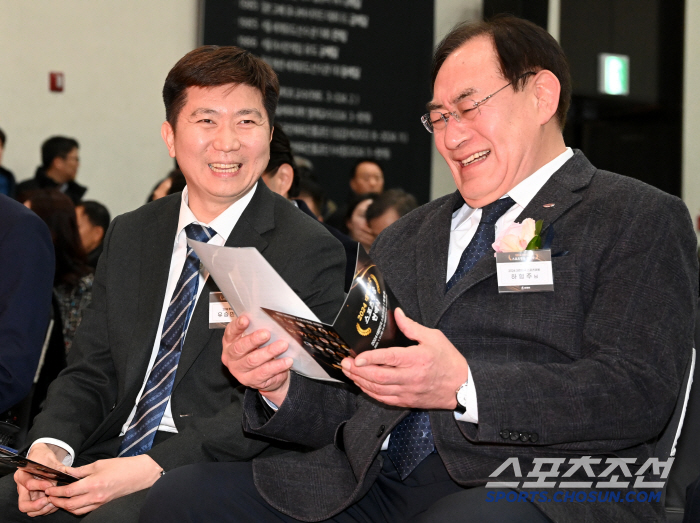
{"points": [[30, 489], [103, 481], [252, 364], [424, 376]]}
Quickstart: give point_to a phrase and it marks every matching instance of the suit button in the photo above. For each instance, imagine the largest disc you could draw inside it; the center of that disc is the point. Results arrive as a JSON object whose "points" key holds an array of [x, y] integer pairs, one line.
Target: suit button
{"points": [[524, 436], [534, 437], [380, 431], [505, 434], [514, 435]]}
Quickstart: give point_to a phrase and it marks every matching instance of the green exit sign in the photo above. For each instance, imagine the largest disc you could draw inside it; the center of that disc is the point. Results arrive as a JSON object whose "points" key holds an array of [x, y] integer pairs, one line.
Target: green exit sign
{"points": [[614, 74]]}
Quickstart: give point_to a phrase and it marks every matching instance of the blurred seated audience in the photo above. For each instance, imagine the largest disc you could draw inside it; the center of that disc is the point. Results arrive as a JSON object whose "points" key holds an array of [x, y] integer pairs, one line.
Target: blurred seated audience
{"points": [[93, 221], [356, 221], [282, 176], [174, 182], [312, 194], [366, 176], [387, 208], [72, 286], [27, 266], [7, 179], [60, 160]]}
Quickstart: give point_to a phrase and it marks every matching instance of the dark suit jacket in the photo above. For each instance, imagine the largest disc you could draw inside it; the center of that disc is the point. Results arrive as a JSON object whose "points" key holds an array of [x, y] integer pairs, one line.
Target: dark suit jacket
{"points": [[592, 368], [91, 400], [26, 281], [74, 190]]}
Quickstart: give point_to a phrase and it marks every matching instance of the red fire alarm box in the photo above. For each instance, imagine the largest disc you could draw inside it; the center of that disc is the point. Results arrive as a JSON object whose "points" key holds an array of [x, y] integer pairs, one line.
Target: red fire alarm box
{"points": [[56, 82]]}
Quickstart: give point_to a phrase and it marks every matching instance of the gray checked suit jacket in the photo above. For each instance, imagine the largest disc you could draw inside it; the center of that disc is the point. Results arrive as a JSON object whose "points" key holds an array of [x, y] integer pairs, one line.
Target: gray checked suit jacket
{"points": [[91, 399], [592, 368]]}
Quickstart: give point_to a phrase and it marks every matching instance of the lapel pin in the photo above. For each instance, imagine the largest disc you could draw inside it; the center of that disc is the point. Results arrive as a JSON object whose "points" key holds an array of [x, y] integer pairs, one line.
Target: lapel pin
{"points": [[548, 205]]}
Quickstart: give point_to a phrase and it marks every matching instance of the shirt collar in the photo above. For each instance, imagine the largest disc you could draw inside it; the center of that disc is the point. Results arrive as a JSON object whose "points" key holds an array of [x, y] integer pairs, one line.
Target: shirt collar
{"points": [[522, 193], [526, 190], [222, 224]]}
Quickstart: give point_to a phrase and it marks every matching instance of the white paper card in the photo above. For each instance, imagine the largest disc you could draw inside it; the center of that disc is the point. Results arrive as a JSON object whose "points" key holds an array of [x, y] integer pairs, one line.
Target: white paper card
{"points": [[249, 283], [220, 312], [525, 271]]}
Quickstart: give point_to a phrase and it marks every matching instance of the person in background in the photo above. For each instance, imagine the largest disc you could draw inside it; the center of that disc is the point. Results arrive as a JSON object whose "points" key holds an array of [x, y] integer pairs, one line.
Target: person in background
{"points": [[72, 285], [7, 179], [366, 176], [387, 208], [311, 192], [356, 222], [60, 160], [93, 222], [174, 182], [282, 177], [27, 269]]}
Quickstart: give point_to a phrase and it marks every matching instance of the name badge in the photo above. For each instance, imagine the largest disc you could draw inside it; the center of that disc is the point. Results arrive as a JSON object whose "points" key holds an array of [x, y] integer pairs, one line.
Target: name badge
{"points": [[525, 271], [220, 312]]}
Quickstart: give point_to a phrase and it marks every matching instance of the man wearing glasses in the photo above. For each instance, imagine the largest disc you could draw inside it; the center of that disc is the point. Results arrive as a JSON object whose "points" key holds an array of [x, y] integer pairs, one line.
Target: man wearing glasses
{"points": [[588, 371]]}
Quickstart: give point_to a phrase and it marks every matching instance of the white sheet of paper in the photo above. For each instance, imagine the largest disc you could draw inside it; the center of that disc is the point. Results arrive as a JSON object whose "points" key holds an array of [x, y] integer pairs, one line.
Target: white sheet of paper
{"points": [[249, 282]]}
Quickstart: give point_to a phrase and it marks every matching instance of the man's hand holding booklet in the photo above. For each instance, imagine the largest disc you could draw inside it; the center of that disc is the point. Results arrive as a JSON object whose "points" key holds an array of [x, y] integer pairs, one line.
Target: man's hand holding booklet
{"points": [[11, 458], [252, 287]]}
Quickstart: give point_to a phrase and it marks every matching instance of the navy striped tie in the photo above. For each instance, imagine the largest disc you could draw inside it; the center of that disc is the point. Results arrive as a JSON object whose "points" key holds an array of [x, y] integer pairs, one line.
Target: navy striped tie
{"points": [[151, 406], [482, 240]]}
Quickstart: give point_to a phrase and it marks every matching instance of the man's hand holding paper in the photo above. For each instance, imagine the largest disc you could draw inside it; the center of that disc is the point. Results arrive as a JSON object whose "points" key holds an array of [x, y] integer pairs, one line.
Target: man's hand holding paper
{"points": [[255, 366], [423, 376]]}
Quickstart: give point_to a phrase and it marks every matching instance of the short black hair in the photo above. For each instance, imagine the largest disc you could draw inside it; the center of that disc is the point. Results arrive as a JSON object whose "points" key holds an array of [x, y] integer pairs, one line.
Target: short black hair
{"points": [[281, 153], [56, 147], [521, 47], [398, 199], [364, 160], [212, 66], [3, 138], [96, 213]]}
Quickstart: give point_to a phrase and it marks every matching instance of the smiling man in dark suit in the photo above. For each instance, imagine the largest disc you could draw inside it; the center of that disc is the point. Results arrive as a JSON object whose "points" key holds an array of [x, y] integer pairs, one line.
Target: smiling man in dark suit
{"points": [[145, 390], [592, 368]]}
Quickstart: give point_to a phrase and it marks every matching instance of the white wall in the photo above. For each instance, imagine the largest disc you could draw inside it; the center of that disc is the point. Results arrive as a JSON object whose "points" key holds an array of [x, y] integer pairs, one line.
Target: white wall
{"points": [[691, 109], [447, 14], [115, 56]]}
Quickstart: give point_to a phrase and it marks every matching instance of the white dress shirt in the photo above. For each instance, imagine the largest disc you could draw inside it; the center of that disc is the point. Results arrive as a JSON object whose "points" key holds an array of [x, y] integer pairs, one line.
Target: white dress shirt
{"points": [[223, 225]]}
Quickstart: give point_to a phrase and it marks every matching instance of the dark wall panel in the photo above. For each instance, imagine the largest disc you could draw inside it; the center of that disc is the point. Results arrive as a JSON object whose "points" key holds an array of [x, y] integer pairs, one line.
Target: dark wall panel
{"points": [[354, 77]]}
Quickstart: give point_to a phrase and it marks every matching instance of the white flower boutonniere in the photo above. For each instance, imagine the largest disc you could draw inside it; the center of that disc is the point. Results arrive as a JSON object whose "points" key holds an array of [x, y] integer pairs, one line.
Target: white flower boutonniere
{"points": [[519, 237]]}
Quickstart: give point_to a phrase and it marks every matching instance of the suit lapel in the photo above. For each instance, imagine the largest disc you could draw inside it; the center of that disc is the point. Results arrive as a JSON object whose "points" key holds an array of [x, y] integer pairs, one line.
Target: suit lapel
{"points": [[559, 190], [431, 259], [257, 218], [154, 264]]}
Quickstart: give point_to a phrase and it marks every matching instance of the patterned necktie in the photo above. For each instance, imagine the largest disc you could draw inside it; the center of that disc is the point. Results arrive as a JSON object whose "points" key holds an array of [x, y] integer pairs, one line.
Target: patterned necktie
{"points": [[151, 406], [412, 439], [484, 236]]}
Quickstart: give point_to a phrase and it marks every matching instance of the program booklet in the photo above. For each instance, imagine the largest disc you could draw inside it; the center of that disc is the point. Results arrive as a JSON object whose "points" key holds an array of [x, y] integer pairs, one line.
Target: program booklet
{"points": [[364, 322], [10, 458]]}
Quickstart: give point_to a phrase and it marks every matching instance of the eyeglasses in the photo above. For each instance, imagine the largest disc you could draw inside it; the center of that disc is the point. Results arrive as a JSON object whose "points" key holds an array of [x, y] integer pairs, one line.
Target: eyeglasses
{"points": [[466, 110]]}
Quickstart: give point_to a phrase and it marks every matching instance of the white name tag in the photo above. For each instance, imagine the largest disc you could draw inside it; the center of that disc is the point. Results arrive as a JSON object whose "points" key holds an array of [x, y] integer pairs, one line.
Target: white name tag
{"points": [[220, 312], [525, 271]]}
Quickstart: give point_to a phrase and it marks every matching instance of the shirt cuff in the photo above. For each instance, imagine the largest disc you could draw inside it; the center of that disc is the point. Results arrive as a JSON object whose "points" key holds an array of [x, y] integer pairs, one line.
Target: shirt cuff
{"points": [[269, 403], [68, 460], [471, 415]]}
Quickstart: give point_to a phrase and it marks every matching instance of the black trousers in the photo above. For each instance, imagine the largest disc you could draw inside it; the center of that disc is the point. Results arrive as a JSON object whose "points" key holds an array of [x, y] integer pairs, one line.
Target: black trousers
{"points": [[224, 492]]}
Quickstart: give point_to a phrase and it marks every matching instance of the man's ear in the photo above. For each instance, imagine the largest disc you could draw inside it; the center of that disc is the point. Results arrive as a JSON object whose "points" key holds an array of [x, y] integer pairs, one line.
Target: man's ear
{"points": [[285, 176], [168, 134], [546, 89]]}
